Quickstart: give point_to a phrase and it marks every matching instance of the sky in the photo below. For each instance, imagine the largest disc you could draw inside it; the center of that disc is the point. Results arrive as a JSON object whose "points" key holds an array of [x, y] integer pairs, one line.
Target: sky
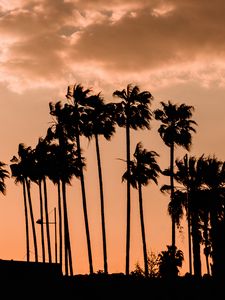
{"points": [[174, 49]]}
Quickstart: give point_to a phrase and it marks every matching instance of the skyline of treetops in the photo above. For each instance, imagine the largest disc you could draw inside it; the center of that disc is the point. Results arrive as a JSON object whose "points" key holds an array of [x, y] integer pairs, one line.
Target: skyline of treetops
{"points": [[194, 186]]}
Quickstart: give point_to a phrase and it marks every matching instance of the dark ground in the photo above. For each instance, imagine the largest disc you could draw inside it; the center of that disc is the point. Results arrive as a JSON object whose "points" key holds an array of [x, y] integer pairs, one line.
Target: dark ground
{"points": [[112, 287], [30, 280]]}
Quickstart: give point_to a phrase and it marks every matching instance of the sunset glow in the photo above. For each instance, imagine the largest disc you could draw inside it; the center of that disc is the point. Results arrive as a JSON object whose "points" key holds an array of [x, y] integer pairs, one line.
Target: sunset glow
{"points": [[174, 49]]}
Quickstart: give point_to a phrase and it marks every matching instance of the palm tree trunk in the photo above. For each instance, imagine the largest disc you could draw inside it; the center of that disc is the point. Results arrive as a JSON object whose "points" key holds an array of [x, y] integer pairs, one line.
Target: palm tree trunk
{"points": [[60, 224], [42, 224], [216, 267], [207, 264], [188, 216], [32, 220], [26, 222], [47, 221], [66, 228], [189, 233], [172, 193], [67, 234], [84, 204], [196, 238], [128, 195], [206, 240], [102, 205], [56, 246], [143, 229]]}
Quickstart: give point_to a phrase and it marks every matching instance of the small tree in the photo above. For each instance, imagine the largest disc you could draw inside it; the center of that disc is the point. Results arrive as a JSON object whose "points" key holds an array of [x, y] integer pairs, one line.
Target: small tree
{"points": [[153, 266], [169, 262]]}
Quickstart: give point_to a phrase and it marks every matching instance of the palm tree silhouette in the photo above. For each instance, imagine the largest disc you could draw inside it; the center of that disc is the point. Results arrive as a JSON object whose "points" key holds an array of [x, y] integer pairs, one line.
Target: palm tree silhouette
{"points": [[175, 130], [190, 173], [16, 172], [143, 169], [58, 174], [41, 153], [169, 262], [100, 123], [22, 169], [54, 174], [56, 170], [77, 96], [215, 187], [3, 175], [65, 164], [132, 112]]}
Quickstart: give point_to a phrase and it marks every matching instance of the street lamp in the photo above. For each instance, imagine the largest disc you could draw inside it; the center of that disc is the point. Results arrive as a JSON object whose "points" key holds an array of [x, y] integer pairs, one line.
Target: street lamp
{"points": [[40, 221]]}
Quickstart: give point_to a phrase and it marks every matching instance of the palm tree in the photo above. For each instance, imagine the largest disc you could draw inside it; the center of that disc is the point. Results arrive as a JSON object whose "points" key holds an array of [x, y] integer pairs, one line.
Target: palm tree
{"points": [[3, 175], [191, 173], [132, 112], [16, 172], [41, 159], [54, 174], [175, 130], [64, 164], [77, 96], [22, 169], [169, 262], [58, 132], [69, 167], [215, 186], [100, 123], [143, 169]]}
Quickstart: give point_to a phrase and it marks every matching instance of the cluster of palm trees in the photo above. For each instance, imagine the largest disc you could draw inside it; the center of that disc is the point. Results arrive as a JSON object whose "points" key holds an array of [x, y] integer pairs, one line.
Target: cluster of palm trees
{"points": [[200, 192], [59, 157]]}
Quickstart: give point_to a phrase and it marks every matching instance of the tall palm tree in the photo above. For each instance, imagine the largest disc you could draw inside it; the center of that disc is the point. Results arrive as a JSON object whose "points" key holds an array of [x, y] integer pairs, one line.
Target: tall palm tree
{"points": [[77, 96], [100, 123], [54, 174], [69, 167], [41, 154], [191, 173], [132, 112], [22, 169], [175, 130], [17, 173], [3, 175], [65, 164], [215, 186], [58, 132], [143, 169]]}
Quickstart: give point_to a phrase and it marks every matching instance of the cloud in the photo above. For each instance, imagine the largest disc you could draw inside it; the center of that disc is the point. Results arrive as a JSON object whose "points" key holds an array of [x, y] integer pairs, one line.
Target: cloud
{"points": [[46, 42]]}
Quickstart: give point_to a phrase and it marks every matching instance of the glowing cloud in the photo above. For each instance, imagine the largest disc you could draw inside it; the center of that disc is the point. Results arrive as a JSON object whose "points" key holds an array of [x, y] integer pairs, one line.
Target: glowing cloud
{"points": [[45, 41]]}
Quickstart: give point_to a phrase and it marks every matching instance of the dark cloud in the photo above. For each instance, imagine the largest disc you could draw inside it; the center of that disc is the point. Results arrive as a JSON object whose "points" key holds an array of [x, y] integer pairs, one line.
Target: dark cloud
{"points": [[47, 39], [186, 33]]}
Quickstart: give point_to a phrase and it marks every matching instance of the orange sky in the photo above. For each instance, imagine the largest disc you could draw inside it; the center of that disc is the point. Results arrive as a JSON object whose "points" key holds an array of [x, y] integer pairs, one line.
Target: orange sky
{"points": [[174, 49]]}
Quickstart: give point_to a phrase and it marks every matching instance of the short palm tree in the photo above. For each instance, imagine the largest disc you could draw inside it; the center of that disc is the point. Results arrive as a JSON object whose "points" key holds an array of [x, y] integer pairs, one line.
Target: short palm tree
{"points": [[132, 112], [16, 172], [176, 129], [22, 169], [169, 262], [143, 169]]}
